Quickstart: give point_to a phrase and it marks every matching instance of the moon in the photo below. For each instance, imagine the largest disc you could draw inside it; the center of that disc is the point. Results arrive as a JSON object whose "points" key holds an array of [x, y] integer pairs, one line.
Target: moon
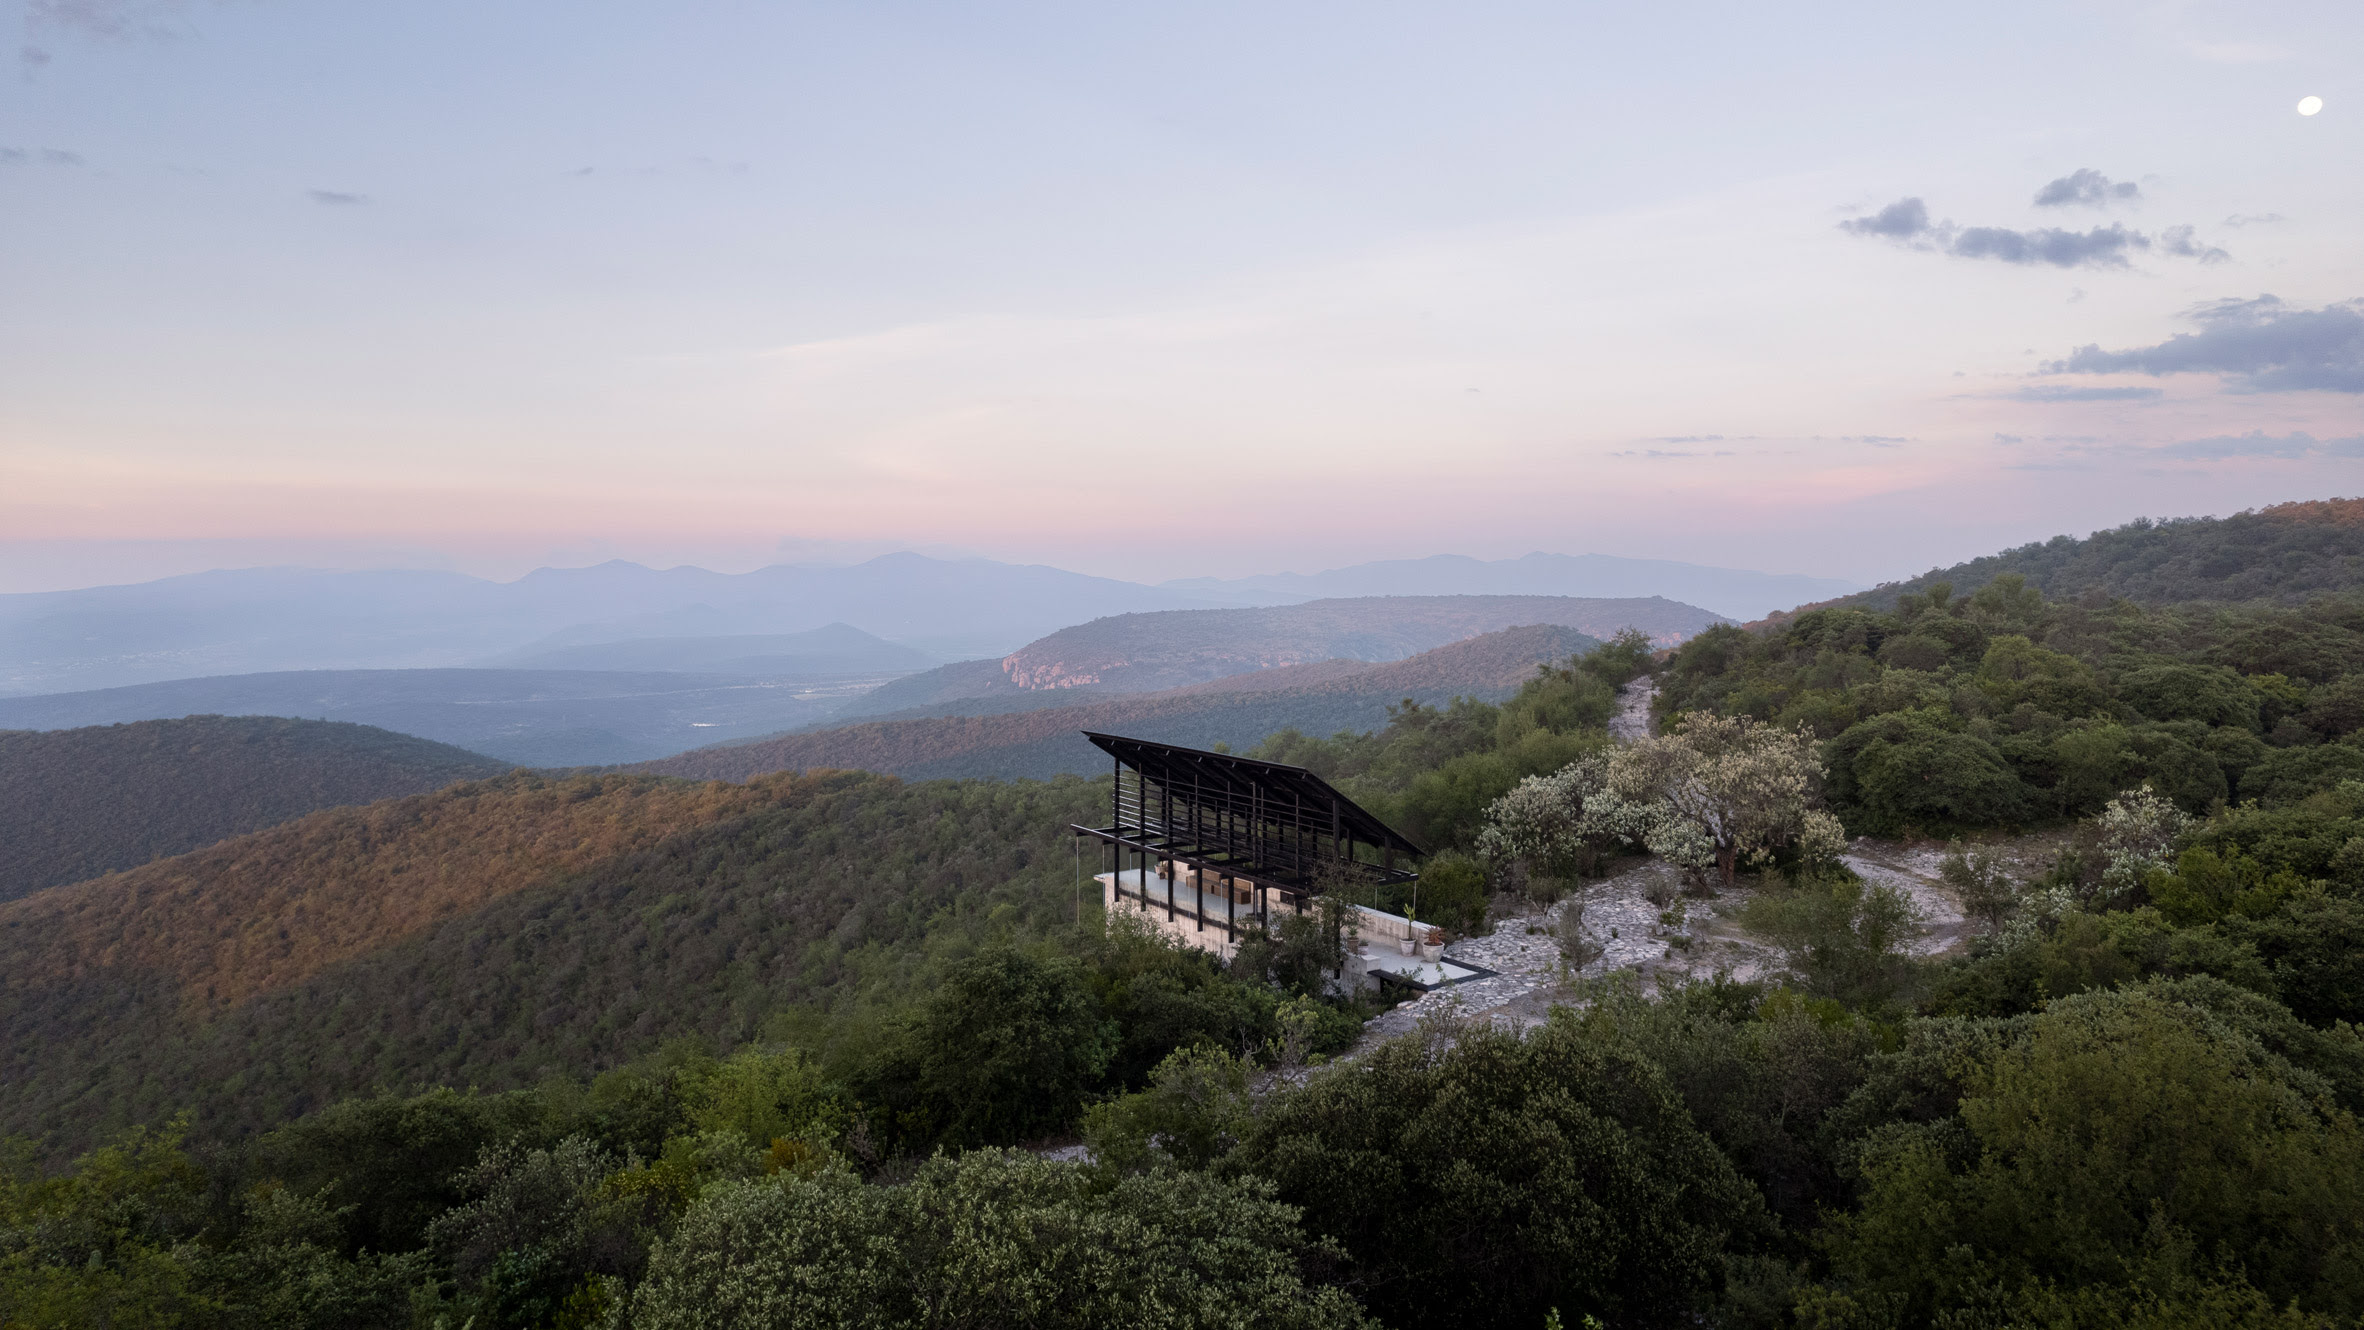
{"points": [[2309, 105]]}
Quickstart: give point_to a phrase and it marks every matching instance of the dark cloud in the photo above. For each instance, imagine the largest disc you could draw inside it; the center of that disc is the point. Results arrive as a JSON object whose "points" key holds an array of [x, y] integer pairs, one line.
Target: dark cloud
{"points": [[2101, 247], [1905, 219], [2261, 346], [335, 199], [32, 58], [2257, 443], [2061, 392], [1906, 222], [2088, 187]]}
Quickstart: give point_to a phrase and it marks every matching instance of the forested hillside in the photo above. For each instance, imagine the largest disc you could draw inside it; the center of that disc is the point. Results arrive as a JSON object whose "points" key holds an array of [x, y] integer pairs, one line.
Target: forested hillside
{"points": [[78, 803], [498, 932], [2284, 553], [1239, 710], [2003, 708]]}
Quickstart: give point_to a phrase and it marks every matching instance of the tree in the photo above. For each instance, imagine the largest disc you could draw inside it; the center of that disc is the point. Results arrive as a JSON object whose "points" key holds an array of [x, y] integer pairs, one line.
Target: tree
{"points": [[2133, 1139], [1844, 936], [1194, 1112], [1913, 769], [1741, 788], [1558, 825], [990, 1237], [1009, 1047], [2138, 830], [2210, 694], [109, 1243], [1978, 877], [1482, 1180], [1621, 659]]}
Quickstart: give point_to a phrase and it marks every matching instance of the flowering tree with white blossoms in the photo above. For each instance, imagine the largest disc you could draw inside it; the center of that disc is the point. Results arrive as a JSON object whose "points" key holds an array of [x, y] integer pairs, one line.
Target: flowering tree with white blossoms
{"points": [[2138, 830], [1558, 824], [1724, 789]]}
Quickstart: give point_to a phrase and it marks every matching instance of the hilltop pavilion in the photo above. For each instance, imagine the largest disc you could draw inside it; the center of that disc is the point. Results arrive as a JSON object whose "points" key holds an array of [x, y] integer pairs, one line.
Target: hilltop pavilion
{"points": [[1204, 846]]}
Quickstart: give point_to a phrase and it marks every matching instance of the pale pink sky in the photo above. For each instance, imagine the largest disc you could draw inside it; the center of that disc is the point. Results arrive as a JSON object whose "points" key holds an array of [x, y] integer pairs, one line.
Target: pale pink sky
{"points": [[1260, 288]]}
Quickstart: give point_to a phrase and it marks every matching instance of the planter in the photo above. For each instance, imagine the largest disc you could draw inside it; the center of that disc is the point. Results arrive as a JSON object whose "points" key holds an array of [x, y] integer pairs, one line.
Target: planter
{"points": [[1430, 951], [1406, 944]]}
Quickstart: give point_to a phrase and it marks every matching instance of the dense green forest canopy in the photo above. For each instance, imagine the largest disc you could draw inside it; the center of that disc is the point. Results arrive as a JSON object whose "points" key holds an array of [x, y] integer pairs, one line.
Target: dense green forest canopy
{"points": [[2285, 553], [2005, 708], [78, 803], [834, 1010]]}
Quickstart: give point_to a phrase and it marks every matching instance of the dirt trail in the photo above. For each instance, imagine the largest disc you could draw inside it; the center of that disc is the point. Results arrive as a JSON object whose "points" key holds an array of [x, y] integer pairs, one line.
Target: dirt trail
{"points": [[1913, 870], [1626, 930], [1632, 720]]}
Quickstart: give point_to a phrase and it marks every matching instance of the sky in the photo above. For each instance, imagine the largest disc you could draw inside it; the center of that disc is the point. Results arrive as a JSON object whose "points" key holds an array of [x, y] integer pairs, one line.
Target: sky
{"points": [[1163, 291]]}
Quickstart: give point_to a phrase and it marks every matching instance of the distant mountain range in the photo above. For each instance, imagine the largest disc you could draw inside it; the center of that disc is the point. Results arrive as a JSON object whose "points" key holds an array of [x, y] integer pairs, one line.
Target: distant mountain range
{"points": [[534, 718], [264, 620], [78, 803], [1320, 697], [614, 615], [593, 716], [1730, 592], [1139, 653]]}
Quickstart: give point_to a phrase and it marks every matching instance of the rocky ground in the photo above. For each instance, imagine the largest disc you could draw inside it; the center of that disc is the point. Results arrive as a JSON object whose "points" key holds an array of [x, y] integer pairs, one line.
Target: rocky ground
{"points": [[1625, 930]]}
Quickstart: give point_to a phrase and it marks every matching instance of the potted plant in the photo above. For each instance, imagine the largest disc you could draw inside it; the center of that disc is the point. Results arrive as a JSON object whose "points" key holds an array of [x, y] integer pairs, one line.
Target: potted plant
{"points": [[1412, 917], [1432, 943]]}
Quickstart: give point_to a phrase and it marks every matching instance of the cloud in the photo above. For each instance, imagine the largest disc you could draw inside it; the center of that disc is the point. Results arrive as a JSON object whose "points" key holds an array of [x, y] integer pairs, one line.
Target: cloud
{"points": [[1906, 222], [1904, 219], [336, 199], [2177, 240], [2088, 188], [46, 156], [2253, 219], [32, 58], [2257, 443], [2062, 392], [2261, 346], [1686, 438], [1876, 440], [2101, 247]]}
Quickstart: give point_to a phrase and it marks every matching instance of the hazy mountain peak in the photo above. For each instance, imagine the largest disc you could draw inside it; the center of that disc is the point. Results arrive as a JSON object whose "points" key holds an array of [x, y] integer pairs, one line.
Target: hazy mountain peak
{"points": [[1731, 592]]}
